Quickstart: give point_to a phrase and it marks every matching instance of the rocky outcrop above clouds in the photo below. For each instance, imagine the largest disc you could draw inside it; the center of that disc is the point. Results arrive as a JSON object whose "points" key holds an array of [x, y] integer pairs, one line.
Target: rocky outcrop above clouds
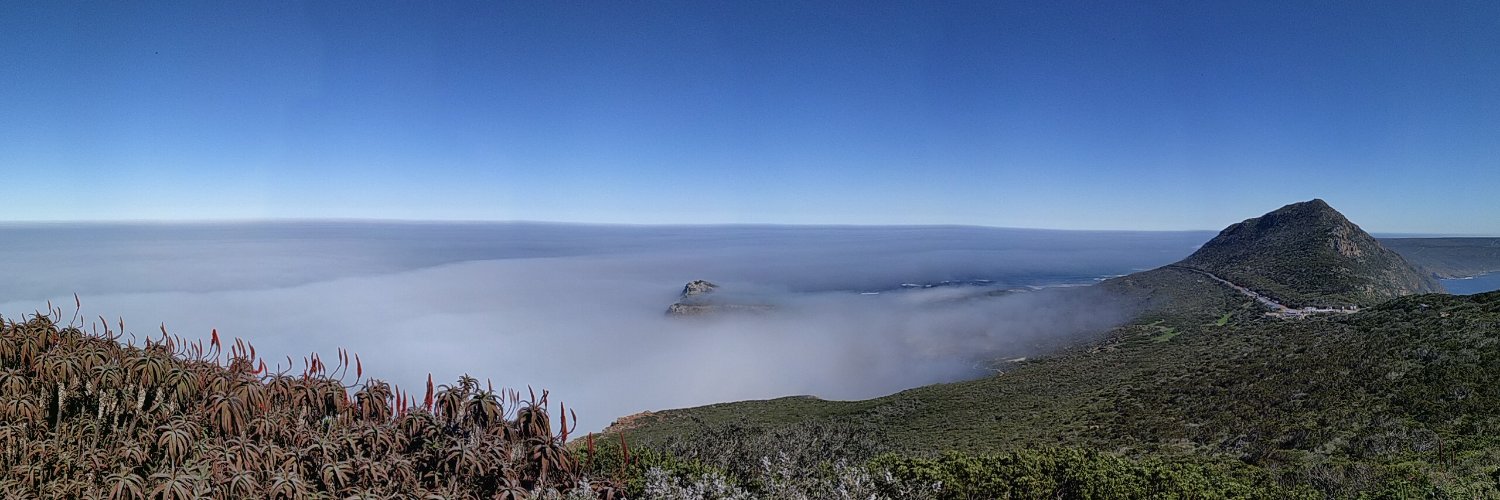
{"points": [[698, 298]]}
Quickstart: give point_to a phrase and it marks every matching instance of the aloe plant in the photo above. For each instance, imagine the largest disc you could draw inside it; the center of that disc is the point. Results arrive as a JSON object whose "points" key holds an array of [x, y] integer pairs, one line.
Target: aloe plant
{"points": [[83, 415]]}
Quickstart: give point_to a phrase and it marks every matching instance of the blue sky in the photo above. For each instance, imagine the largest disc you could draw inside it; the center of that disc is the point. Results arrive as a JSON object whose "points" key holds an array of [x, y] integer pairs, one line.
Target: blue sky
{"points": [[1090, 115]]}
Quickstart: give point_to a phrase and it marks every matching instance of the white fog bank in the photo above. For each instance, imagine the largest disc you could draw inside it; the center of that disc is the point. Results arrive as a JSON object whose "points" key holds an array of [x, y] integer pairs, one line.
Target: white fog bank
{"points": [[579, 309]]}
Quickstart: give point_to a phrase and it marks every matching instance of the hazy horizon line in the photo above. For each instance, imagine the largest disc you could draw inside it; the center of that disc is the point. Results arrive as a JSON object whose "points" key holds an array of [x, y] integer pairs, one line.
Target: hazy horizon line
{"points": [[415, 221], [380, 220]]}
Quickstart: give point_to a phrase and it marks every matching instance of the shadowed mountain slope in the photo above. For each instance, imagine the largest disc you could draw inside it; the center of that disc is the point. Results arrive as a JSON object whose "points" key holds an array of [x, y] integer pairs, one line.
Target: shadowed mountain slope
{"points": [[1308, 254]]}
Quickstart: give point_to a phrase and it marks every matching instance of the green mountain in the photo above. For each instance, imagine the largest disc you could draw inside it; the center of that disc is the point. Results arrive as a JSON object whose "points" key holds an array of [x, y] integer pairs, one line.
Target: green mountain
{"points": [[1308, 254], [1397, 400]]}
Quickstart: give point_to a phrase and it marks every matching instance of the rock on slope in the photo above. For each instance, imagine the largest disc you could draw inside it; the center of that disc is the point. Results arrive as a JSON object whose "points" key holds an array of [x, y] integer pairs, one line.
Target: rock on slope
{"points": [[1308, 254]]}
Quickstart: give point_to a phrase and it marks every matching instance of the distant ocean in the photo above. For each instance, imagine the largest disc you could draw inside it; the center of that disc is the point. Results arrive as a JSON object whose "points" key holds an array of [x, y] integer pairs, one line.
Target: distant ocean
{"points": [[863, 311], [1478, 284], [51, 261]]}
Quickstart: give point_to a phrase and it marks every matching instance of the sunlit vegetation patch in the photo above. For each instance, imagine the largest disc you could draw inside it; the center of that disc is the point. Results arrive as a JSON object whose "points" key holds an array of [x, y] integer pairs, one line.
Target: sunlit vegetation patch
{"points": [[830, 460], [84, 416], [1400, 400]]}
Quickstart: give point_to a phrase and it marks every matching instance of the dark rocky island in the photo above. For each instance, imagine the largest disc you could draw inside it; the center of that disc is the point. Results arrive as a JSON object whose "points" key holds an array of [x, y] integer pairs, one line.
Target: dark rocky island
{"points": [[698, 299]]}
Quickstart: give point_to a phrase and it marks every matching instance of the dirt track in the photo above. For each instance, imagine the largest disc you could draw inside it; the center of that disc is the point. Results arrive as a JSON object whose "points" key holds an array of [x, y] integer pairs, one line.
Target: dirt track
{"points": [[1277, 309]]}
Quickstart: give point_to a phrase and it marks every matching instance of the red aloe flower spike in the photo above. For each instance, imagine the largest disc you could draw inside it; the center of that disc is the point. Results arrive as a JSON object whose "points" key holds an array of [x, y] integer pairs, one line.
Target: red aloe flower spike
{"points": [[215, 340], [359, 369], [590, 464], [427, 401], [624, 454], [562, 411]]}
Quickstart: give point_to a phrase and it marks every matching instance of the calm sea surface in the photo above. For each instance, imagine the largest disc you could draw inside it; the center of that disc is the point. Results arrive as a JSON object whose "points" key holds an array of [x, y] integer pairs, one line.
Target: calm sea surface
{"points": [[1478, 284]]}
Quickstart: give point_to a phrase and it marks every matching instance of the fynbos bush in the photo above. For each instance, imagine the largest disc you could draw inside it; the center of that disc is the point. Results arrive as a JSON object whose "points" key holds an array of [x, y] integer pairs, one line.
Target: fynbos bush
{"points": [[83, 416]]}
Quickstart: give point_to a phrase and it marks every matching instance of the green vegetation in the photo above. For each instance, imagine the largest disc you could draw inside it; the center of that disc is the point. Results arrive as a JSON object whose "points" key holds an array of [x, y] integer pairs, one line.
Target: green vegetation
{"points": [[1398, 400], [1202, 396], [1308, 254], [817, 459], [1083, 474], [82, 416], [1167, 333]]}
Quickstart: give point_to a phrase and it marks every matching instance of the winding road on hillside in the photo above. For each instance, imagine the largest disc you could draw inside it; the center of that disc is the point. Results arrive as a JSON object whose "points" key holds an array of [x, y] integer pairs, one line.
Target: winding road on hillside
{"points": [[1277, 309]]}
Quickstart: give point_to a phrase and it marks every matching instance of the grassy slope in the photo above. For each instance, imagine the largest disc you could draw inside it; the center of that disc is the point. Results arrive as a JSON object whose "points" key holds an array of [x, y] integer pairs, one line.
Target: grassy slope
{"points": [[1409, 383]]}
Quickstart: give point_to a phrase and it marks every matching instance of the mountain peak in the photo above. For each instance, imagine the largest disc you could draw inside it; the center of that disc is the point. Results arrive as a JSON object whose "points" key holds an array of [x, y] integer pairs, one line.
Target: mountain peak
{"points": [[1308, 254]]}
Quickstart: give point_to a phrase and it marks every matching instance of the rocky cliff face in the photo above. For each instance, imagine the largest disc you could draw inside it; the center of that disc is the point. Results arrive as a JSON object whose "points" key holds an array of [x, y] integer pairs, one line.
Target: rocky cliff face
{"points": [[698, 299], [696, 288], [1308, 254]]}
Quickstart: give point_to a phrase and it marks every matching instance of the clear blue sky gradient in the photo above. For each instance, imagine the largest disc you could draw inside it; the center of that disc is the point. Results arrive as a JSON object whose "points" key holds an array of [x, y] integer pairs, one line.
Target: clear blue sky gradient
{"points": [[1098, 115]]}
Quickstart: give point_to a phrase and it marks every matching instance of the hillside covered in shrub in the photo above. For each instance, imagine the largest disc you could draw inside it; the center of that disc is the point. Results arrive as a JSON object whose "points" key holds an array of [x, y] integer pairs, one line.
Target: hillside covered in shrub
{"points": [[1399, 399], [83, 416]]}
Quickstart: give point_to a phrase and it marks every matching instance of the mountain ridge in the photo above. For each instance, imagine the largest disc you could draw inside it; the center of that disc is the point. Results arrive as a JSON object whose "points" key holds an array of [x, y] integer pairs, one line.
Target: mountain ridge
{"points": [[1307, 254]]}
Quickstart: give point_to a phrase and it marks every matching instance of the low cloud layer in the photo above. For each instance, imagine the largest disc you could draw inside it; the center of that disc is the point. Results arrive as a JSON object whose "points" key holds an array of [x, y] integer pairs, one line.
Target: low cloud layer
{"points": [[579, 309]]}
